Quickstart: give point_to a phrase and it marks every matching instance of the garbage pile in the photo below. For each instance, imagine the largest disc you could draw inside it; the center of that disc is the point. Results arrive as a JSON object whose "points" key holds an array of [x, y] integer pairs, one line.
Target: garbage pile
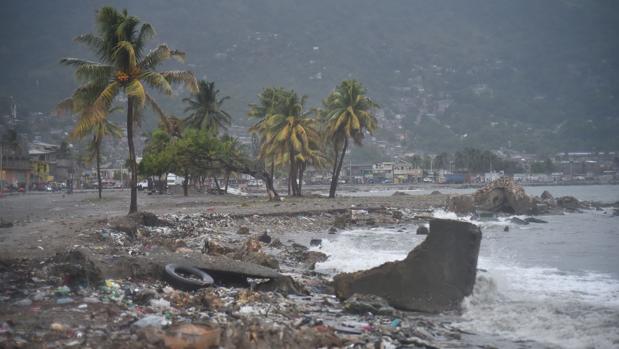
{"points": [[114, 292]]}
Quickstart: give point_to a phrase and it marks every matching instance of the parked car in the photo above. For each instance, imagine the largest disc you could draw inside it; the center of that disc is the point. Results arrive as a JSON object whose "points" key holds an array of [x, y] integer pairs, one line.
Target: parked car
{"points": [[143, 185]]}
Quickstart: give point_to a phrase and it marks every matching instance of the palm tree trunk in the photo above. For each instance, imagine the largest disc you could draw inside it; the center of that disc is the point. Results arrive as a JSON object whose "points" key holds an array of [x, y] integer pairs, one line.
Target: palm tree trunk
{"points": [[336, 173], [99, 169], [217, 184], [186, 184], [301, 170], [133, 206], [227, 181]]}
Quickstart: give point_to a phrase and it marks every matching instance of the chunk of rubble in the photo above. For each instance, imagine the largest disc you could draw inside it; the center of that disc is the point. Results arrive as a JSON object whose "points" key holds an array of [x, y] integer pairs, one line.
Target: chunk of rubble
{"points": [[434, 277]]}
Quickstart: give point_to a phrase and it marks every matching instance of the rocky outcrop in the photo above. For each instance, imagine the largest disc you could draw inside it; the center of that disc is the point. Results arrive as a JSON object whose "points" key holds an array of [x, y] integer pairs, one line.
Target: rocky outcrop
{"points": [[569, 203], [461, 204], [503, 195], [434, 277]]}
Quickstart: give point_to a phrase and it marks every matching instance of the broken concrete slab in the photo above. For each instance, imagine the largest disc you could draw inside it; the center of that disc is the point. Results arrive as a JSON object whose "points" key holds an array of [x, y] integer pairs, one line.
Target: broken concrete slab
{"points": [[434, 277]]}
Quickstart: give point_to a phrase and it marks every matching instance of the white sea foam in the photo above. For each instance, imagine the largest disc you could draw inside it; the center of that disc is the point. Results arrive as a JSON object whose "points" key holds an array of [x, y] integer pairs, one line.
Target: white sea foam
{"points": [[522, 302], [544, 305]]}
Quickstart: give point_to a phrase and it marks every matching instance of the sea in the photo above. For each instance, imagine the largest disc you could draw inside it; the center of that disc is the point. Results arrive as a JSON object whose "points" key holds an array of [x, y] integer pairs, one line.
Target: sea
{"points": [[542, 285]]}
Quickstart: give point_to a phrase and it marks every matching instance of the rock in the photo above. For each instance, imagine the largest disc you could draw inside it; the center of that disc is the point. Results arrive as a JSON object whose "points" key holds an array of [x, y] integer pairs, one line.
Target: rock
{"points": [[461, 204], [503, 195], [397, 214], [436, 192], [216, 249], [310, 258], [534, 220], [569, 203], [260, 258], [506, 229], [332, 230], [251, 245], [276, 243], [366, 303], [316, 242], [340, 221], [546, 196], [434, 277], [265, 238], [399, 193], [5, 224], [284, 284], [518, 221], [243, 230], [422, 230]]}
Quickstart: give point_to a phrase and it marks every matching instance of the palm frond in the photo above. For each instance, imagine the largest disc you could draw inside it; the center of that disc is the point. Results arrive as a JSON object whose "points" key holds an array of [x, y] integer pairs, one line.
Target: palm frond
{"points": [[157, 81], [135, 90], [181, 76]]}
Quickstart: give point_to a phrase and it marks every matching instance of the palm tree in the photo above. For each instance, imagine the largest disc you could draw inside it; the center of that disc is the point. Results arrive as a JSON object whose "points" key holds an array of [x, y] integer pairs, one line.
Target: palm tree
{"points": [[231, 150], [125, 68], [290, 136], [100, 130], [348, 115], [205, 109]]}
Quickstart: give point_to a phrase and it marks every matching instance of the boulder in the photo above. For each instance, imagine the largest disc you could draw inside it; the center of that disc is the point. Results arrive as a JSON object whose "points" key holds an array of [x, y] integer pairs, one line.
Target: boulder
{"points": [[546, 196], [265, 238], [366, 303], [461, 204], [434, 277], [569, 203], [503, 195], [534, 220], [310, 258], [284, 284], [518, 221]]}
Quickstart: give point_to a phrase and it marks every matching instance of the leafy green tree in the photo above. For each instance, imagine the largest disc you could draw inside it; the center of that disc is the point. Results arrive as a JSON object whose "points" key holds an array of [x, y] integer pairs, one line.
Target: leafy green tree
{"points": [[125, 68], [205, 109], [349, 114]]}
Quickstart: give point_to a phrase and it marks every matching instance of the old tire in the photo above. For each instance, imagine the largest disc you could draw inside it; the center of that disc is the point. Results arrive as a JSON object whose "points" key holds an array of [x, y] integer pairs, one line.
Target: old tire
{"points": [[200, 278]]}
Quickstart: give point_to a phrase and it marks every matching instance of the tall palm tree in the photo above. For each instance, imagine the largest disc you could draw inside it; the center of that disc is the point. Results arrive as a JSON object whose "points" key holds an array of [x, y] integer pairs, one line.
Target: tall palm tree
{"points": [[290, 136], [349, 114], [206, 108], [270, 101], [230, 150], [125, 68], [100, 130]]}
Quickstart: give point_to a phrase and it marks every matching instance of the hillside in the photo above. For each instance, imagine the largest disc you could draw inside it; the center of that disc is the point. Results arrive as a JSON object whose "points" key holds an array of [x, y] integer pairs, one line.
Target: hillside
{"points": [[537, 76]]}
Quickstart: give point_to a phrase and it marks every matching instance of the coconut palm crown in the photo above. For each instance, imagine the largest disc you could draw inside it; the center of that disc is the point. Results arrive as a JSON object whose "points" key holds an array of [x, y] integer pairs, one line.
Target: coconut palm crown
{"points": [[124, 68]]}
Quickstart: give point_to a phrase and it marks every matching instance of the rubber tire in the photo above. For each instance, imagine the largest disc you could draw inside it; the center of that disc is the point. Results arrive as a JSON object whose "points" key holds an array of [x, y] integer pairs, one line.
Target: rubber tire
{"points": [[183, 283]]}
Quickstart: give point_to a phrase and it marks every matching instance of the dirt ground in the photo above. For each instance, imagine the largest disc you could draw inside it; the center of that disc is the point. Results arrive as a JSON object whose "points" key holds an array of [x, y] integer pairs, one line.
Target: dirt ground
{"points": [[46, 223]]}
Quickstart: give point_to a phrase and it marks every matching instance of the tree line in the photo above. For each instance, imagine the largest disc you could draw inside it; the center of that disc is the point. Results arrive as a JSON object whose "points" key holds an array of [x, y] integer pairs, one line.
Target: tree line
{"points": [[288, 134]]}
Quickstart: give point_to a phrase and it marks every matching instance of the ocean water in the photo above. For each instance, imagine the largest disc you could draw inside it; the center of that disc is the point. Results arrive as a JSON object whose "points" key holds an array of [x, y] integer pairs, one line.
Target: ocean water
{"points": [[552, 285]]}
